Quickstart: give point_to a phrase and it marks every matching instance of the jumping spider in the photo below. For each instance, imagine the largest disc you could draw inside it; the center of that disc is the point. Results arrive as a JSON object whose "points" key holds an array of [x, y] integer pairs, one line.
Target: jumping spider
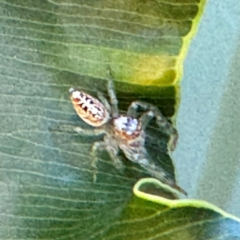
{"points": [[122, 131]]}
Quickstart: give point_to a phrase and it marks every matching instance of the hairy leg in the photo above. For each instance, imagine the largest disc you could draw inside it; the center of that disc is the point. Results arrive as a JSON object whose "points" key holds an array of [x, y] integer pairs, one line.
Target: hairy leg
{"points": [[112, 151], [104, 101], [111, 147], [132, 110], [96, 146], [116, 160], [161, 121], [146, 118], [160, 174], [82, 131], [113, 99]]}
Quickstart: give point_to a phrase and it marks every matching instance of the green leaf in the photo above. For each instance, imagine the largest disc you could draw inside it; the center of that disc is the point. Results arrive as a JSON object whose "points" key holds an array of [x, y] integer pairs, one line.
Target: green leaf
{"points": [[177, 219], [46, 180], [149, 216]]}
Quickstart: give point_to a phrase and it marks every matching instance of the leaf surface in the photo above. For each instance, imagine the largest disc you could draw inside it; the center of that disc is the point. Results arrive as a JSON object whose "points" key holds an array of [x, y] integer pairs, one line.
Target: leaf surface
{"points": [[46, 180]]}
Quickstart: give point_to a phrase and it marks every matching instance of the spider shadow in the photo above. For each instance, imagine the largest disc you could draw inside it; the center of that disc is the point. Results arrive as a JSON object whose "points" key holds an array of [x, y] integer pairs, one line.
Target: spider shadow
{"points": [[156, 144]]}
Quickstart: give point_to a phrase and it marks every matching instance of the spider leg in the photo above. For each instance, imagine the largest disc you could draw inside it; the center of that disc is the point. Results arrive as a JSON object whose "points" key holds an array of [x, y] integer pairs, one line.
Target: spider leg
{"points": [[82, 131], [163, 177], [96, 146], [160, 174], [104, 101], [132, 110], [146, 118], [161, 121], [112, 149], [116, 160], [113, 99], [90, 132]]}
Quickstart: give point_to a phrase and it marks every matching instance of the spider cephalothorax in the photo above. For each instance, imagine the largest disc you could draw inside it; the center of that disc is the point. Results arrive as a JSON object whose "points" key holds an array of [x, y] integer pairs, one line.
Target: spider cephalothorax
{"points": [[127, 128], [125, 132]]}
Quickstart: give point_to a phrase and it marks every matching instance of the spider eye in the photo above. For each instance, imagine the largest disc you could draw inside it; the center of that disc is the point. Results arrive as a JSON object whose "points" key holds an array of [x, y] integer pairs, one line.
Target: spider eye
{"points": [[71, 90]]}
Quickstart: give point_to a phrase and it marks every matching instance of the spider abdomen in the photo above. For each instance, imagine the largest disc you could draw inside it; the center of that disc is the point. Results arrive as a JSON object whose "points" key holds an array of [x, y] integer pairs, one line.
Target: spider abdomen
{"points": [[88, 108]]}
